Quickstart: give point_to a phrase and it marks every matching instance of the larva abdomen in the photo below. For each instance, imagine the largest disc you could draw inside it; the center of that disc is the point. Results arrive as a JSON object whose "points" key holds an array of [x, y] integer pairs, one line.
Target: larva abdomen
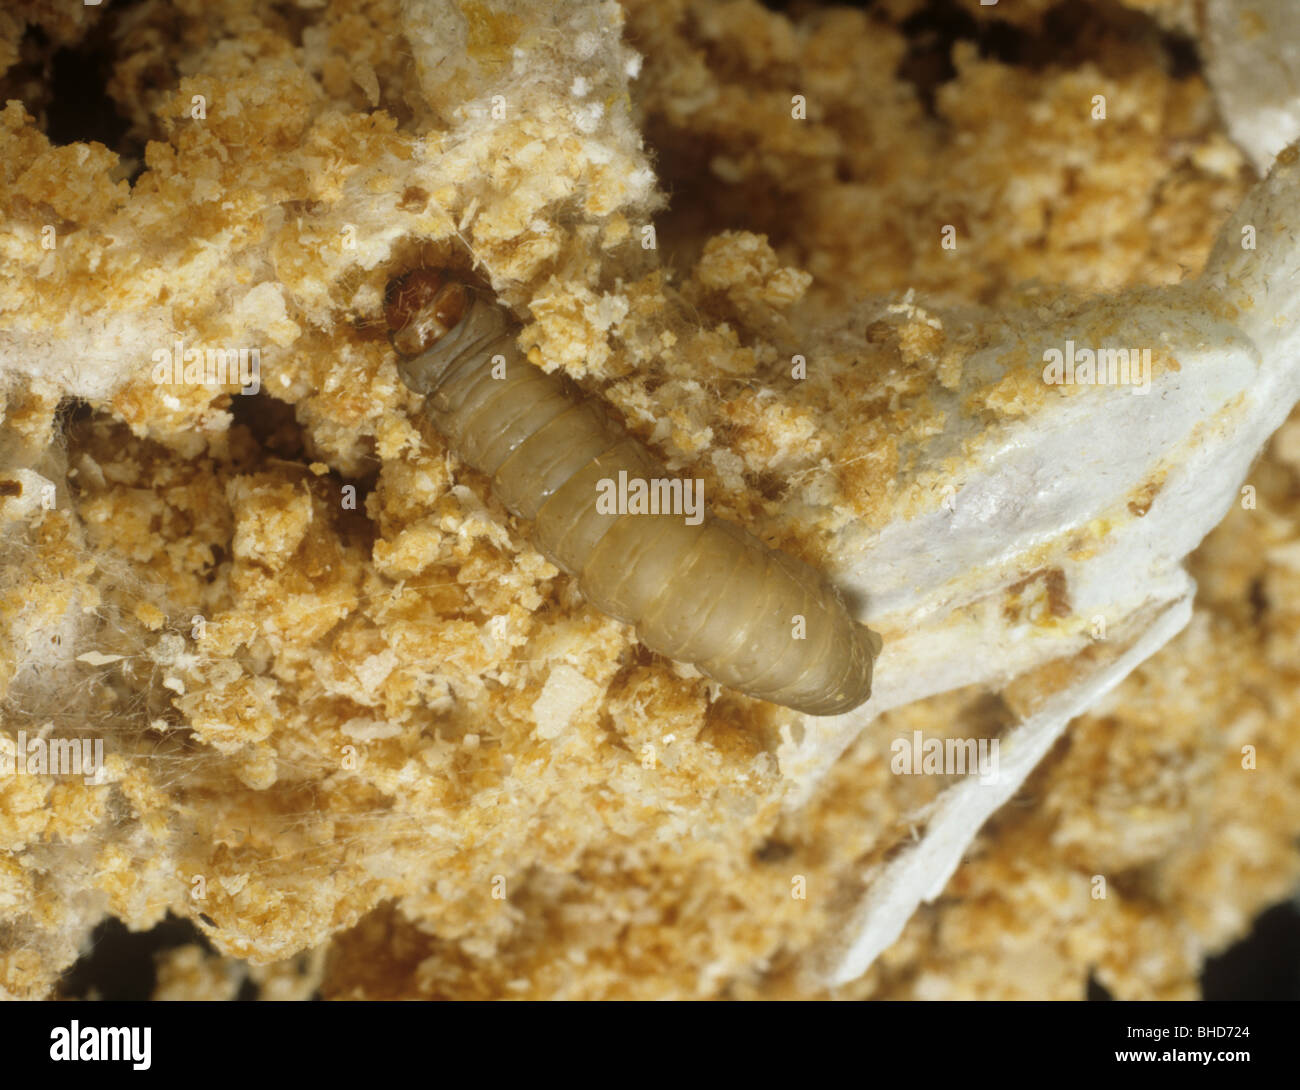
{"points": [[710, 594]]}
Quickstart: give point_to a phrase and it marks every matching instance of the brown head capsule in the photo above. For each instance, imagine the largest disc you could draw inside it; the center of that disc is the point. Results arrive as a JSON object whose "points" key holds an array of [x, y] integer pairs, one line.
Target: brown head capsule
{"points": [[420, 307], [700, 590]]}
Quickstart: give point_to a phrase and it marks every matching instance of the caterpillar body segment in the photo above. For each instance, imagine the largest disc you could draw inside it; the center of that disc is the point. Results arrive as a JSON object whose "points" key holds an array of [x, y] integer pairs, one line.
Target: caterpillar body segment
{"points": [[711, 594]]}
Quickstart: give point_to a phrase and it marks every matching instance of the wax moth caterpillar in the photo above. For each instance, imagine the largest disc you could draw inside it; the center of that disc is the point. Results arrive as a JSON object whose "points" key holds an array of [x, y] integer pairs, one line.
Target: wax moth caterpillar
{"points": [[707, 593]]}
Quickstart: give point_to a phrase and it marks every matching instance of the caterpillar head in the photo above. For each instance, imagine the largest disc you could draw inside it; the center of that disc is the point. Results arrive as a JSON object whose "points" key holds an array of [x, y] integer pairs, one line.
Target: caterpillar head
{"points": [[433, 319], [421, 307]]}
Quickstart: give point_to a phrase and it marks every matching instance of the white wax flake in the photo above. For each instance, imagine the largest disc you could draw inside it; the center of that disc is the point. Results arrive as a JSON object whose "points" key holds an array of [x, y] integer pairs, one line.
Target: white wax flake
{"points": [[909, 309], [233, 884], [581, 88], [599, 154], [642, 178], [606, 311], [564, 695], [587, 117], [95, 658], [370, 730], [373, 671]]}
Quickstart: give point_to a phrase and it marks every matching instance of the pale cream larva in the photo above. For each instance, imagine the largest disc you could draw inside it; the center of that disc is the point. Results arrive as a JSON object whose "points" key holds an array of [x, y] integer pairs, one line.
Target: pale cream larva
{"points": [[708, 594]]}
